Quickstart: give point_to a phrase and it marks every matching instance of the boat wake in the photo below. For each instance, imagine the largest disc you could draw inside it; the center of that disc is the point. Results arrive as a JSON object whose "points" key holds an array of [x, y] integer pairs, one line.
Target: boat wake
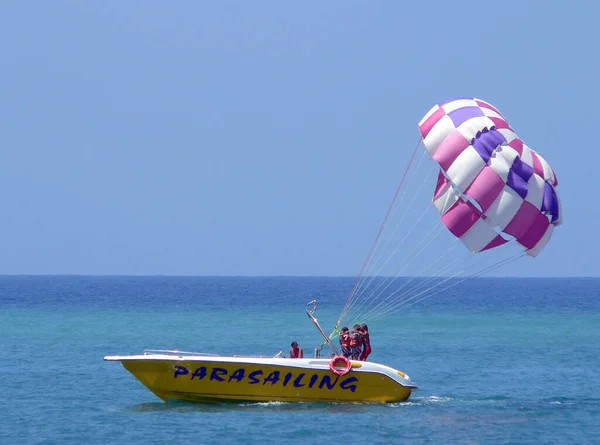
{"points": [[422, 401]]}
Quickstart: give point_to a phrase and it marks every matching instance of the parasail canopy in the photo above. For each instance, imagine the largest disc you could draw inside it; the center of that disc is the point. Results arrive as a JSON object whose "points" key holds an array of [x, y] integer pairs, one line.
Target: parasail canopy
{"points": [[492, 188], [491, 193]]}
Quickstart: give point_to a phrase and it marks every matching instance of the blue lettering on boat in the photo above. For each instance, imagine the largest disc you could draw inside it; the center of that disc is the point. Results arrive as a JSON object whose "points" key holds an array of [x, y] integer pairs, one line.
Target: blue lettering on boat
{"points": [[240, 375], [253, 376], [297, 382], [217, 374], [287, 378], [326, 380], [200, 373], [346, 384], [273, 378], [180, 370]]}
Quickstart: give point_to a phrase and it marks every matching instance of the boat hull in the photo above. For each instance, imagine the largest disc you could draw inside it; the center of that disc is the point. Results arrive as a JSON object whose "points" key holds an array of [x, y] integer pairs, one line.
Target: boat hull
{"points": [[235, 379]]}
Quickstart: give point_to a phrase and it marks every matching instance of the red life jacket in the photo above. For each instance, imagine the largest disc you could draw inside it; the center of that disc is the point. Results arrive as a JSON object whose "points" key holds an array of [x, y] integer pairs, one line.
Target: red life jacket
{"points": [[296, 353], [344, 340], [355, 340]]}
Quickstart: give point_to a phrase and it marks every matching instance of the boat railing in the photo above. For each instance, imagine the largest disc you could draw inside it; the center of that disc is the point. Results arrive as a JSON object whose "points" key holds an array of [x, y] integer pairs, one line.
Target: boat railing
{"points": [[260, 356], [203, 354], [176, 352]]}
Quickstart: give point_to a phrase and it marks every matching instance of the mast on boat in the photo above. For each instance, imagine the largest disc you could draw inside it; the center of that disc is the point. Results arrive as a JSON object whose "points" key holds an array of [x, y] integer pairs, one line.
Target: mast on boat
{"points": [[311, 308]]}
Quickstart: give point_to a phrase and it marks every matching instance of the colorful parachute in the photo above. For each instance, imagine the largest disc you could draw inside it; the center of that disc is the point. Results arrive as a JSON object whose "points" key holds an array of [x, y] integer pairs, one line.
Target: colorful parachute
{"points": [[491, 188]]}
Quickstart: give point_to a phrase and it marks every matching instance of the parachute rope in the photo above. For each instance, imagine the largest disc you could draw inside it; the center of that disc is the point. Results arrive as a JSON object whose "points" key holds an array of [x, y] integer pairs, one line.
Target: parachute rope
{"points": [[379, 233], [377, 294], [407, 234], [427, 239], [366, 282], [384, 304], [408, 302]]}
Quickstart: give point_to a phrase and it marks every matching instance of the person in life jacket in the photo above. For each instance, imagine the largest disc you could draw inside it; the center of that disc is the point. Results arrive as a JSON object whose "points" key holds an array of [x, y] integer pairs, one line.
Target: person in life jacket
{"points": [[356, 342], [296, 351], [366, 340], [345, 342]]}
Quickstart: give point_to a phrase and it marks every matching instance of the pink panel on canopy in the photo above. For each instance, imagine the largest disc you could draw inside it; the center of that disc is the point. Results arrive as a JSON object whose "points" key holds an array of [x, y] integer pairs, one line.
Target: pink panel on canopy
{"points": [[552, 181], [517, 144], [555, 177], [486, 187], [452, 146], [461, 216], [486, 105], [537, 164], [535, 232], [440, 187], [498, 241], [523, 220], [499, 123], [431, 121]]}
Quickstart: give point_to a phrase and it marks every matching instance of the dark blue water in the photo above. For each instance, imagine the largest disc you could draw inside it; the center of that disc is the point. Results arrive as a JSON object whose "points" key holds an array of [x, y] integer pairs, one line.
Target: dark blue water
{"points": [[496, 360]]}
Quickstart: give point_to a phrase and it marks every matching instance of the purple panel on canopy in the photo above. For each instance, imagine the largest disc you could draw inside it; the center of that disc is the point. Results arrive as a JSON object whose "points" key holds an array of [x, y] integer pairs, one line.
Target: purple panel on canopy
{"points": [[517, 183], [486, 142], [518, 177], [522, 169], [550, 202], [461, 115]]}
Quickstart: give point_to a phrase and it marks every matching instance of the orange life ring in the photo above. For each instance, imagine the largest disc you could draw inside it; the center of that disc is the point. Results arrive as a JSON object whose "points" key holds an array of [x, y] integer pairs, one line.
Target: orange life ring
{"points": [[340, 359]]}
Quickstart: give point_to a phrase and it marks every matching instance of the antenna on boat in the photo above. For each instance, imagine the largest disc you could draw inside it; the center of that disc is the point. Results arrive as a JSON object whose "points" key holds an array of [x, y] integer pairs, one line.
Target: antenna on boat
{"points": [[311, 308]]}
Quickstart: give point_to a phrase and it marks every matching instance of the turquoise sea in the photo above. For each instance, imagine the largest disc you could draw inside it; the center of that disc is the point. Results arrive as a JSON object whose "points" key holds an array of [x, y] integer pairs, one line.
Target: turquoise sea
{"points": [[498, 361]]}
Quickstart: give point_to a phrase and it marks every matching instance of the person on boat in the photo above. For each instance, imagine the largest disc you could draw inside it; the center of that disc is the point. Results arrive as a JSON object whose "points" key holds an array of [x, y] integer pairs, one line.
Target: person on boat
{"points": [[366, 341], [345, 342], [356, 342], [296, 351]]}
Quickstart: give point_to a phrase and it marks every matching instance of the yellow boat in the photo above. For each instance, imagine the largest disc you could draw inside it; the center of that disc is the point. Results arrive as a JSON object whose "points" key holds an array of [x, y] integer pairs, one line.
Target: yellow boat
{"points": [[196, 377], [495, 196]]}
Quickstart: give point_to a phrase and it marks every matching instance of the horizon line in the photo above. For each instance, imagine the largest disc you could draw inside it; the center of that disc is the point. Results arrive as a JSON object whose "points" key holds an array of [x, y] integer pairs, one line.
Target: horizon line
{"points": [[100, 275]]}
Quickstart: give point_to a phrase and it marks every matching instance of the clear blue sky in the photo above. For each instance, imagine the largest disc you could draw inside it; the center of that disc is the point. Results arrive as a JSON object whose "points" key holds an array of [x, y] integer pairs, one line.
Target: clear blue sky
{"points": [[267, 137]]}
